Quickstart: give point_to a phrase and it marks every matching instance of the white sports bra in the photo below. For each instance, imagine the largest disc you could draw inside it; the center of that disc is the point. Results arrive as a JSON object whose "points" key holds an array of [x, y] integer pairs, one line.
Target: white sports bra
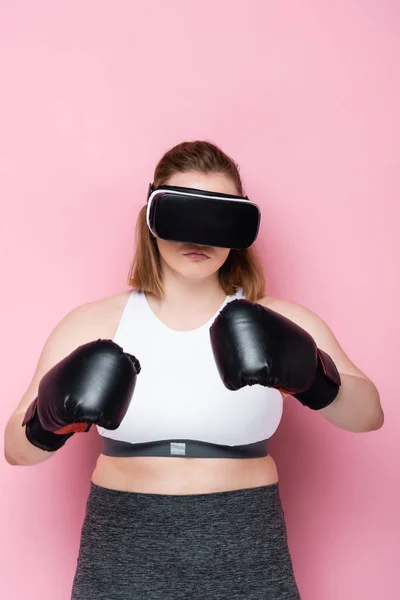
{"points": [[180, 407]]}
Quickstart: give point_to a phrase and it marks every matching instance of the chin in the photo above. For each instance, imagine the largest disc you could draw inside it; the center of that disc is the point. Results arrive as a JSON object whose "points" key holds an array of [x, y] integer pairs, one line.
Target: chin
{"points": [[196, 274], [196, 271]]}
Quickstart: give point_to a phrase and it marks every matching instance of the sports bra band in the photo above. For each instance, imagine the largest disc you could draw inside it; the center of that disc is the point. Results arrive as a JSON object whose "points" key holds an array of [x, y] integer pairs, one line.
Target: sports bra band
{"points": [[183, 448]]}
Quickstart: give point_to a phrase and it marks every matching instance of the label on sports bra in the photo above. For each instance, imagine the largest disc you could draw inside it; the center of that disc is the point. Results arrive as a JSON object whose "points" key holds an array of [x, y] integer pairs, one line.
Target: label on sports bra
{"points": [[177, 448]]}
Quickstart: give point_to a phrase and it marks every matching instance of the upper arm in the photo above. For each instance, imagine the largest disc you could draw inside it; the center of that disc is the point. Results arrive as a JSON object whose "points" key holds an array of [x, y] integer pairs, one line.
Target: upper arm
{"points": [[318, 329], [76, 328]]}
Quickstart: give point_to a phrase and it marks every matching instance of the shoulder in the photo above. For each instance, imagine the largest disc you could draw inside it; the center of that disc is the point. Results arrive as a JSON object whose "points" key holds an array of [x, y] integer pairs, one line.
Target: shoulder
{"points": [[297, 313], [101, 307], [317, 328], [304, 318], [89, 321], [98, 309]]}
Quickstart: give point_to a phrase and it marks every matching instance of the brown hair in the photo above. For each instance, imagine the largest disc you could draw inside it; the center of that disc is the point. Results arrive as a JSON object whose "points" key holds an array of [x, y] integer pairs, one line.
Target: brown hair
{"points": [[242, 268]]}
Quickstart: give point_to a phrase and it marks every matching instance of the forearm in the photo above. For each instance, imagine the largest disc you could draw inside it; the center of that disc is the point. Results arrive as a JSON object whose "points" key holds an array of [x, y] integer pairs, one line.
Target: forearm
{"points": [[17, 448], [357, 406]]}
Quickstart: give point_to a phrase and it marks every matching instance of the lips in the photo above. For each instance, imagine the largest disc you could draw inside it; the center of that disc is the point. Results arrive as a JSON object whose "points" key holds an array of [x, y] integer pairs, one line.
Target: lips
{"points": [[196, 252]]}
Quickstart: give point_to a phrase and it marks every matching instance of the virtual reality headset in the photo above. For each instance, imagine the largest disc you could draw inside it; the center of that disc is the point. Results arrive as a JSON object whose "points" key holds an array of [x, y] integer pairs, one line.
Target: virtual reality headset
{"points": [[179, 214]]}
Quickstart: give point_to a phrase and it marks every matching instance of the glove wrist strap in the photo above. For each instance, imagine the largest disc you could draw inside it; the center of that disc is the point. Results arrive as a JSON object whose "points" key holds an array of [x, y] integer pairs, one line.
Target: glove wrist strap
{"points": [[325, 386], [37, 435]]}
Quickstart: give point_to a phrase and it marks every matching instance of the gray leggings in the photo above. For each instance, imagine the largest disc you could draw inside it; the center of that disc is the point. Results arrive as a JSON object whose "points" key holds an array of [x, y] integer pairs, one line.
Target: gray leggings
{"points": [[226, 545]]}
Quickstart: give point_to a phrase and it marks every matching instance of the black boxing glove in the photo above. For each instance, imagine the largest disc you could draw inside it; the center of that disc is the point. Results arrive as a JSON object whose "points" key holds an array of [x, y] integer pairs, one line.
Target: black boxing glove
{"points": [[255, 345], [92, 385]]}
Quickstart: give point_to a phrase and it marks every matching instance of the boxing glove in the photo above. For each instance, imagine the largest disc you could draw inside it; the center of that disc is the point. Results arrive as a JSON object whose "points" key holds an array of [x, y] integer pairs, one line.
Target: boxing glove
{"points": [[92, 385], [255, 345]]}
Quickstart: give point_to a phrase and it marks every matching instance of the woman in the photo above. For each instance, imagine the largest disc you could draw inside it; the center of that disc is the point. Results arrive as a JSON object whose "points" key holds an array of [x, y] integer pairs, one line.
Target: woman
{"points": [[184, 499]]}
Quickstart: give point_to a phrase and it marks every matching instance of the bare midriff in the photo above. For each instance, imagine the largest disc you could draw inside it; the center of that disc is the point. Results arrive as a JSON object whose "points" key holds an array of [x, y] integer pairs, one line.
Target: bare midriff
{"points": [[180, 476]]}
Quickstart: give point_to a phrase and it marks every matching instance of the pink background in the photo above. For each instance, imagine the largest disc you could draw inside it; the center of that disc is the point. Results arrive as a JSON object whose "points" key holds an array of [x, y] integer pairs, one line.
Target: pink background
{"points": [[306, 96]]}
